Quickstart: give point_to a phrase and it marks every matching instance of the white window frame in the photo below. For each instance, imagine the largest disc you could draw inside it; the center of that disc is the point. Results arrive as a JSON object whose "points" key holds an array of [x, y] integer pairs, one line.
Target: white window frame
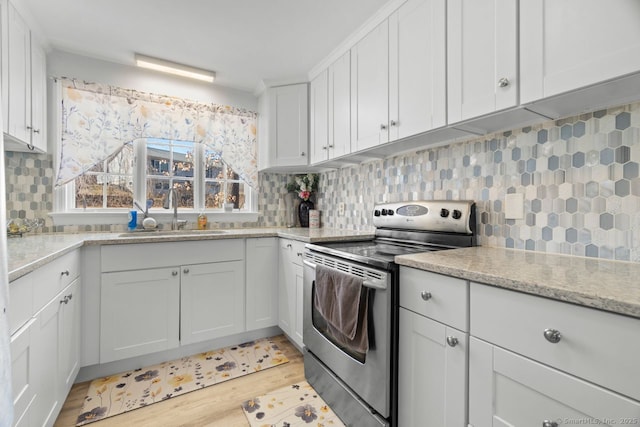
{"points": [[65, 213]]}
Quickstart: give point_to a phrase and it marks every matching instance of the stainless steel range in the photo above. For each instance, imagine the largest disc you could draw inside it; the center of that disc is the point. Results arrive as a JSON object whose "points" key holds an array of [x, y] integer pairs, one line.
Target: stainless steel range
{"points": [[351, 292]]}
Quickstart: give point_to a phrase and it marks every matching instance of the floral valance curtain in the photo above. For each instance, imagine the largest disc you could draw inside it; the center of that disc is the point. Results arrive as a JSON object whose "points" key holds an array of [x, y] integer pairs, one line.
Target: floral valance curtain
{"points": [[98, 120]]}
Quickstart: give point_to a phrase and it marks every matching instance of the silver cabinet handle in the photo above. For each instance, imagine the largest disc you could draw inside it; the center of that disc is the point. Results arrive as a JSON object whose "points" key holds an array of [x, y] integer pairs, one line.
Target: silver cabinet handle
{"points": [[383, 127], [425, 295], [552, 335], [174, 273], [452, 341], [64, 300], [289, 245], [185, 271], [547, 423], [64, 273], [393, 123], [503, 82], [299, 254], [36, 131]]}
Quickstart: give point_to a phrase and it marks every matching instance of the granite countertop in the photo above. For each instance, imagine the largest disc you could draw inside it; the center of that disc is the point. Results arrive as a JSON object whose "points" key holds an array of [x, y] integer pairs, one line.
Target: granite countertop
{"points": [[27, 253], [592, 282]]}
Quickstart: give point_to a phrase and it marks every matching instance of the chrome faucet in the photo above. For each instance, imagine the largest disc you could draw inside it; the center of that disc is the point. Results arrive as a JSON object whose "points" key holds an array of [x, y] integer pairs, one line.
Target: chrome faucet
{"points": [[172, 196]]}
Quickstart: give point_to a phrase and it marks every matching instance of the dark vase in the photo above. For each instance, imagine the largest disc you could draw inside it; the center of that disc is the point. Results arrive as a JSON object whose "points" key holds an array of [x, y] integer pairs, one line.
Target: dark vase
{"points": [[303, 212]]}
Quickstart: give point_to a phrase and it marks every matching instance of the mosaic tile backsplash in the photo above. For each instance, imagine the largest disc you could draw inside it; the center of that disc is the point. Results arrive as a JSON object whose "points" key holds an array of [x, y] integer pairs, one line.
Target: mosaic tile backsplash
{"points": [[579, 177]]}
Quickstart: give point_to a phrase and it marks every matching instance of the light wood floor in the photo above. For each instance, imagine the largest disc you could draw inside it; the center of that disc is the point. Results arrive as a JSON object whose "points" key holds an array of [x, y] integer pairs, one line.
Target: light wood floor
{"points": [[218, 405]]}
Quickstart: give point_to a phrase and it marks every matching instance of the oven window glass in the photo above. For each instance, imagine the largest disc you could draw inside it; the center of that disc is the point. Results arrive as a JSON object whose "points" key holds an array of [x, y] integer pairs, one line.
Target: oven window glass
{"points": [[320, 324]]}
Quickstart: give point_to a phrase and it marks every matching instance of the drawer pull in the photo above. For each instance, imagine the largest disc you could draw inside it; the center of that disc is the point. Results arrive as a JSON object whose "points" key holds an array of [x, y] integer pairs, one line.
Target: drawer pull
{"points": [[452, 341], [552, 335], [185, 271], [174, 273], [425, 295], [299, 254], [65, 300], [547, 423], [65, 273]]}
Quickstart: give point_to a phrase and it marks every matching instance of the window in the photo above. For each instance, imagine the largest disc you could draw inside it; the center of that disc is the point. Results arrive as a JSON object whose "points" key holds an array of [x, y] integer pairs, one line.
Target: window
{"points": [[202, 180]]}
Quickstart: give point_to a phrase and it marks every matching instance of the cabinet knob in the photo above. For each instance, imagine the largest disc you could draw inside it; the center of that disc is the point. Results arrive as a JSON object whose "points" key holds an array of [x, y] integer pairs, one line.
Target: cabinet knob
{"points": [[185, 271], [65, 300], [393, 123], [383, 127], [302, 154], [70, 296], [552, 335], [452, 341], [503, 82], [324, 147], [547, 423], [299, 254], [289, 245], [330, 145], [425, 295], [36, 131], [174, 273], [65, 273]]}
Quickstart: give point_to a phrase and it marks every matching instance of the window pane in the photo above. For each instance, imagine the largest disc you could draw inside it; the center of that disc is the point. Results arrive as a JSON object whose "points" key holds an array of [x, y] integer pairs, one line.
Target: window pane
{"points": [[183, 159], [158, 159], [214, 196], [157, 189], [214, 165], [88, 192], [235, 194], [119, 191], [185, 193], [122, 162]]}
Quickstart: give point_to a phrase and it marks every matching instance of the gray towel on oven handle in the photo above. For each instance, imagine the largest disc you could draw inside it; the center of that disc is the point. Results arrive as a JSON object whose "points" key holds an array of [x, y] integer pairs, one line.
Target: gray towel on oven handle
{"points": [[338, 298]]}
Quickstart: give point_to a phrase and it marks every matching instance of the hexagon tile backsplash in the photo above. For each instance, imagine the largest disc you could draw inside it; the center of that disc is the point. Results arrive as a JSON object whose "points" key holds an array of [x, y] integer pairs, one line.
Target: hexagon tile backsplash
{"points": [[579, 178]]}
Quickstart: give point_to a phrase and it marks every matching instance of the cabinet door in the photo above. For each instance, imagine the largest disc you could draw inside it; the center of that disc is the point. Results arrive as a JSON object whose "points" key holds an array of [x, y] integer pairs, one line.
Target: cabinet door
{"points": [[38, 100], [319, 126], [139, 312], [19, 86], [22, 375], [212, 301], [417, 68], [370, 89], [44, 363], [288, 125], [299, 306], [506, 389], [69, 336], [340, 106], [262, 282], [286, 288], [482, 57], [431, 374], [602, 43]]}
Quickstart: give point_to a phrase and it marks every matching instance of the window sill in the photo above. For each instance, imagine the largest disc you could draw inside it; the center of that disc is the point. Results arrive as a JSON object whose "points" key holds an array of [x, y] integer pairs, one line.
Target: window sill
{"points": [[120, 217]]}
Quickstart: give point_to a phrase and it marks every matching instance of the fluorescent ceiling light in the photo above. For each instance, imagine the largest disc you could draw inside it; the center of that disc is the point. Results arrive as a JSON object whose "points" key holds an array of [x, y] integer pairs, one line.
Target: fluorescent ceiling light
{"points": [[174, 68]]}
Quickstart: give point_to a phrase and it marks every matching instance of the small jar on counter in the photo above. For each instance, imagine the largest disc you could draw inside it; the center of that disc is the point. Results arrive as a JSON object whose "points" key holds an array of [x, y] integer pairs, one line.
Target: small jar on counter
{"points": [[202, 221]]}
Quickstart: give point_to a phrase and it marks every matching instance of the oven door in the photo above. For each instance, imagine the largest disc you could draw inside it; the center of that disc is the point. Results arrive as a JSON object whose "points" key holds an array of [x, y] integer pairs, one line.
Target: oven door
{"points": [[369, 375]]}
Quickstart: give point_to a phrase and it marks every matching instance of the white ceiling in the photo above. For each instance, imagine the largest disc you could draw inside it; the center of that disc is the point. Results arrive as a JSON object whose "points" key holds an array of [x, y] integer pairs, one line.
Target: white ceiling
{"points": [[243, 41]]}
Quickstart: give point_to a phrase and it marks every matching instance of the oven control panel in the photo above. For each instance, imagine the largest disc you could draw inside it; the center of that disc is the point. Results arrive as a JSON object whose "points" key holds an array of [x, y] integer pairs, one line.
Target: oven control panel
{"points": [[454, 216]]}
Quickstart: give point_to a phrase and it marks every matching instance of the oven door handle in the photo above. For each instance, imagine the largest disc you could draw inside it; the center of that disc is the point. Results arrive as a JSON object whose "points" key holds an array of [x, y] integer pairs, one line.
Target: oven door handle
{"points": [[373, 284]]}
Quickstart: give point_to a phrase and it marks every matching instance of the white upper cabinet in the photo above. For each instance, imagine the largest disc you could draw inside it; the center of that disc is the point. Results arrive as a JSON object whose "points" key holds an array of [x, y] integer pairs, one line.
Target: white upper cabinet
{"points": [[24, 84], [339, 101], [417, 68], [482, 57], [284, 126], [571, 44], [370, 89], [319, 118]]}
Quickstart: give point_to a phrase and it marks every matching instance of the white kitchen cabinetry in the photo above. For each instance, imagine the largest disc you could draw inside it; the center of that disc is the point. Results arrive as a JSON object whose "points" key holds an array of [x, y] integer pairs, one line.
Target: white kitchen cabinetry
{"points": [[331, 111], [370, 89], [261, 277], [24, 84], [139, 312], [482, 57], [45, 340], [537, 360], [602, 43], [417, 64], [432, 355], [174, 293], [290, 304], [284, 127]]}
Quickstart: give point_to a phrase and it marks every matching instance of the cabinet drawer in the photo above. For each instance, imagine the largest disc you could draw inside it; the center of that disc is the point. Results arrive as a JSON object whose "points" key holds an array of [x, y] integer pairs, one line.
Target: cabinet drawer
{"points": [[158, 255], [21, 298], [595, 345], [54, 277], [442, 298]]}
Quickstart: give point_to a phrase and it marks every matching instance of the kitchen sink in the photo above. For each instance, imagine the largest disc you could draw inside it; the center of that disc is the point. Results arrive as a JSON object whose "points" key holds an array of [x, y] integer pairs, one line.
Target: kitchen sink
{"points": [[152, 233]]}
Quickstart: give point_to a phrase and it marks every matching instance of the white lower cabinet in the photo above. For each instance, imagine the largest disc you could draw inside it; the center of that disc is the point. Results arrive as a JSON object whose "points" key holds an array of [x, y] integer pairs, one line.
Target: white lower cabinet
{"points": [[261, 277], [139, 312], [290, 304], [22, 375], [432, 374]]}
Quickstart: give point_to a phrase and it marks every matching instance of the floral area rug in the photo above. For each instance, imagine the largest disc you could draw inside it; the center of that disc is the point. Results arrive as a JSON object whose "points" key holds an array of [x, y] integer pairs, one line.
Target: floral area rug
{"points": [[294, 405], [131, 390]]}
